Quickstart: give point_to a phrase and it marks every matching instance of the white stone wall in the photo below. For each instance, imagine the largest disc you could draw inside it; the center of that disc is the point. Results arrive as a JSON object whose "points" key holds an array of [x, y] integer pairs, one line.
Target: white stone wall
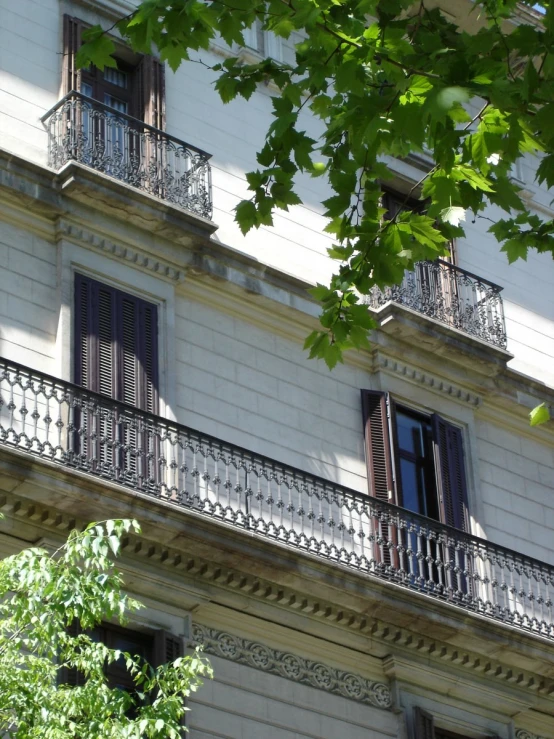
{"points": [[244, 703], [242, 383], [517, 490], [30, 69], [29, 303]]}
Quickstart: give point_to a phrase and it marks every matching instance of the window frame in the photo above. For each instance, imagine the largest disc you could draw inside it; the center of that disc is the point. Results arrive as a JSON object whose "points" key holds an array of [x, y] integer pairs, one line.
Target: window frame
{"points": [[382, 458], [146, 83]]}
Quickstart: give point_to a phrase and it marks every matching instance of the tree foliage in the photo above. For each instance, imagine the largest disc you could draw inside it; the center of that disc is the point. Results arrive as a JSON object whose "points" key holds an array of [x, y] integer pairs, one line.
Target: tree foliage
{"points": [[385, 79], [41, 596]]}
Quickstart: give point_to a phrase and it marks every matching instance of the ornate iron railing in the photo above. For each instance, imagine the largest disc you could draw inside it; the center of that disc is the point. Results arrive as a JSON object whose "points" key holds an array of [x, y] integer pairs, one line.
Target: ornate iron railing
{"points": [[84, 130], [80, 430], [452, 296]]}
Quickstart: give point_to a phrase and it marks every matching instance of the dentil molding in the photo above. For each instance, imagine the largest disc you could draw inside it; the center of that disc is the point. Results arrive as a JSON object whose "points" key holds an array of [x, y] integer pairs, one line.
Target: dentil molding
{"points": [[407, 372], [291, 666], [89, 239]]}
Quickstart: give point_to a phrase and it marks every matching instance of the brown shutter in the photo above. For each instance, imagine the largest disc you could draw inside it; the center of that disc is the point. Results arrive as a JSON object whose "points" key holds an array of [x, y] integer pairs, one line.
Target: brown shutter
{"points": [[71, 76], [149, 92], [377, 445], [167, 647], [450, 467], [116, 348], [424, 727]]}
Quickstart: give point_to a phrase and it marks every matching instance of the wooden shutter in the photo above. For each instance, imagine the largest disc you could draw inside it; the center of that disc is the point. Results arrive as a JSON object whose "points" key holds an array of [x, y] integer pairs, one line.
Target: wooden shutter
{"points": [[149, 91], [167, 647], [378, 445], [71, 76], [450, 470], [116, 344], [70, 675], [424, 727]]}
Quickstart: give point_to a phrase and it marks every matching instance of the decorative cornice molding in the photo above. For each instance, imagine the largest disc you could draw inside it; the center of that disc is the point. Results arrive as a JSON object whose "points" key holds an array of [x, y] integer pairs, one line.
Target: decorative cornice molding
{"points": [[159, 267], [393, 366], [292, 667], [524, 734], [264, 590]]}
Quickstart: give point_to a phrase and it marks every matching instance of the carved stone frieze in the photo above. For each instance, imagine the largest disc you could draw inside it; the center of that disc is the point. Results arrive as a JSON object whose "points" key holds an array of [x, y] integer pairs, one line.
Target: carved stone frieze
{"points": [[524, 734], [292, 666]]}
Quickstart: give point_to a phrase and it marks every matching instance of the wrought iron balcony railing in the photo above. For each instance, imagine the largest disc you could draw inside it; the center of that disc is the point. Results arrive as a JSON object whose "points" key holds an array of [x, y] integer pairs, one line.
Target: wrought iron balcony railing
{"points": [[79, 430], [84, 130], [452, 296]]}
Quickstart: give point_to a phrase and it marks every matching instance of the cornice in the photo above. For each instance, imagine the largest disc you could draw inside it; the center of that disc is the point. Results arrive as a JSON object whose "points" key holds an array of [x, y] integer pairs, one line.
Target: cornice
{"points": [[292, 667], [78, 234], [223, 578]]}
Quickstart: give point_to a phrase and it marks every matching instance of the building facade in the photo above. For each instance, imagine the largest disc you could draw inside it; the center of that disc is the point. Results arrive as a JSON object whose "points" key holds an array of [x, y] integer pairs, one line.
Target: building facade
{"points": [[363, 553]]}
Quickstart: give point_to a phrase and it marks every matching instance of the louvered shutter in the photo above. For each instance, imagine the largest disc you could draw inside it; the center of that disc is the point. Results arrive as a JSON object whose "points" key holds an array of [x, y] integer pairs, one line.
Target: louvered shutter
{"points": [[450, 469], [424, 727], [451, 486], [116, 344], [116, 356], [149, 92], [377, 445], [71, 76], [71, 676], [379, 470]]}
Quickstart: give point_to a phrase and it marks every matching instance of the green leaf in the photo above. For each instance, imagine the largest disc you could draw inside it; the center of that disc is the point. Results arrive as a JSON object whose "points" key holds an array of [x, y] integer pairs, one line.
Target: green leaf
{"points": [[246, 215], [453, 215], [540, 414], [545, 171], [97, 49]]}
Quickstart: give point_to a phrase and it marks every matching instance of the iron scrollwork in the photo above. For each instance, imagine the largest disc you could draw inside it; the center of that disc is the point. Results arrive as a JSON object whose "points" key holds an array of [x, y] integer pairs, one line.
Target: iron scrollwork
{"points": [[451, 295], [83, 130]]}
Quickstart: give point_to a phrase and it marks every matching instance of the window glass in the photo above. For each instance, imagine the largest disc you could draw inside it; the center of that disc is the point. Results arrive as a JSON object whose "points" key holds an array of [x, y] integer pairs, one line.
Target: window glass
{"points": [[115, 77], [416, 464]]}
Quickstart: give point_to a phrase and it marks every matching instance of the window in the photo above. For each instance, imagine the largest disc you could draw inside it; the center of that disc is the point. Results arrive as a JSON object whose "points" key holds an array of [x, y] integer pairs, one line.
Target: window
{"points": [[116, 352], [263, 43], [116, 355], [396, 202], [415, 461], [424, 728], [136, 87], [156, 648]]}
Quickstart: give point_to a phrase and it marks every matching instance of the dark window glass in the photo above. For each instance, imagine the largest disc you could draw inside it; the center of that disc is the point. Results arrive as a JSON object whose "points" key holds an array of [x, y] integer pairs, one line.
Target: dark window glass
{"points": [[416, 462]]}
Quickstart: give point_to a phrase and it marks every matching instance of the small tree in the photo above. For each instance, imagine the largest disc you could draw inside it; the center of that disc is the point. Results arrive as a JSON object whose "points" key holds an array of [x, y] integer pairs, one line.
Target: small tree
{"points": [[42, 596]]}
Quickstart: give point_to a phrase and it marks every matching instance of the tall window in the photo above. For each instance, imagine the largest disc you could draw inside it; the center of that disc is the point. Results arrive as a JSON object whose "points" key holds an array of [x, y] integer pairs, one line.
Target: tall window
{"points": [[136, 87], [415, 461], [156, 648], [116, 355], [116, 348]]}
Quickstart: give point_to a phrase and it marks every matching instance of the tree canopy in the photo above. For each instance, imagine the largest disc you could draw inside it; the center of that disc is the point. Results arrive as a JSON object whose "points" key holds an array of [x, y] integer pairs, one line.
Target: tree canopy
{"points": [[43, 596], [385, 78]]}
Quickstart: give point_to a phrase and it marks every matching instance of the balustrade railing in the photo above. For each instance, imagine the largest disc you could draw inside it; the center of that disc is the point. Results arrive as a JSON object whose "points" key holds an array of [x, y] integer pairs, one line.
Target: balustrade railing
{"points": [[84, 130], [80, 430], [451, 295]]}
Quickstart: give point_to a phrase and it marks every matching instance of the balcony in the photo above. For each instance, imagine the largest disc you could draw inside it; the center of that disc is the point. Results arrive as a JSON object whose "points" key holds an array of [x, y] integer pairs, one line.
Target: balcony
{"points": [[452, 296], [89, 433], [84, 130]]}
